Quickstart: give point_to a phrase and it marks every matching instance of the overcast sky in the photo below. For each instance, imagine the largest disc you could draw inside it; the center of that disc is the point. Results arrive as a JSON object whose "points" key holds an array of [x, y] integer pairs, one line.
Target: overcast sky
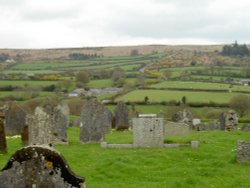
{"points": [[80, 23]]}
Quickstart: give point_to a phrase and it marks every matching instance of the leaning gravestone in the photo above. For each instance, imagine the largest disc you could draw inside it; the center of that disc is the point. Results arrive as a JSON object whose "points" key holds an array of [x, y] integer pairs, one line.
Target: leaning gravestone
{"points": [[95, 121], [3, 145], [38, 167], [173, 129], [121, 116], [48, 125], [14, 119]]}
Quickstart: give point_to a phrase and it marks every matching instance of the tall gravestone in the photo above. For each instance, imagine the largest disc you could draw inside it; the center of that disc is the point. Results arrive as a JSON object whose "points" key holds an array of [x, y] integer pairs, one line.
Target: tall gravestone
{"points": [[38, 167], [229, 120], [95, 121], [3, 144], [48, 125], [121, 116], [14, 119], [183, 116]]}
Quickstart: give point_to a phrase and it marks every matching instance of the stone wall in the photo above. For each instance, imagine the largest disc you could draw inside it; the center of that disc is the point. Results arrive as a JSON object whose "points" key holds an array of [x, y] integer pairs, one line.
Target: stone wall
{"points": [[148, 132]]}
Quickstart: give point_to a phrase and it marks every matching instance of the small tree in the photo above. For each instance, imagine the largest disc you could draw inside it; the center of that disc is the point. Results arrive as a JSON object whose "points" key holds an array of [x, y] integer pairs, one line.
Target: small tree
{"points": [[146, 99], [240, 103], [83, 76], [134, 52]]}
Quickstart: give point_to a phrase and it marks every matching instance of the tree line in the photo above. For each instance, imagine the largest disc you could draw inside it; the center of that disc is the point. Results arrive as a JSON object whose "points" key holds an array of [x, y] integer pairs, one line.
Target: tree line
{"points": [[235, 50]]}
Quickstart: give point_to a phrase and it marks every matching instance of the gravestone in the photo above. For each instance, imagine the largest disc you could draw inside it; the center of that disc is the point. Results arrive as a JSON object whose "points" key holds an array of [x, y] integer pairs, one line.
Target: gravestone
{"points": [[25, 136], [243, 152], [148, 132], [173, 129], [3, 144], [209, 126], [95, 121], [38, 167], [14, 119], [48, 125], [121, 116], [183, 116]]}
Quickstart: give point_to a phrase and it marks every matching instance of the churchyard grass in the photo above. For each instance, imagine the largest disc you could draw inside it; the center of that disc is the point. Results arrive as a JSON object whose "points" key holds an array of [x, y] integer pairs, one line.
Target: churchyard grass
{"points": [[213, 164]]}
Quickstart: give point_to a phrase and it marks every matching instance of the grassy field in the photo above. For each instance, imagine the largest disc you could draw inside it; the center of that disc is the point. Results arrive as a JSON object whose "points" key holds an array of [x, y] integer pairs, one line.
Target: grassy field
{"points": [[164, 95], [24, 82], [200, 85], [213, 164]]}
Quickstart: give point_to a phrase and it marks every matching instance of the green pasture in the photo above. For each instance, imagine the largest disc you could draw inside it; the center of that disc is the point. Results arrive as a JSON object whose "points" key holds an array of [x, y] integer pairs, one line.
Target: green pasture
{"points": [[213, 164], [100, 83], [165, 95], [200, 85], [26, 83]]}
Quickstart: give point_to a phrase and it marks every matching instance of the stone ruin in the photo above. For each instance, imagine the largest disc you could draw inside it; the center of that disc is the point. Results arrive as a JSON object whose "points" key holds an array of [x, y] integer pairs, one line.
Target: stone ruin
{"points": [[121, 116], [14, 119], [95, 121], [183, 116], [38, 166], [243, 152], [229, 120], [3, 143], [48, 124]]}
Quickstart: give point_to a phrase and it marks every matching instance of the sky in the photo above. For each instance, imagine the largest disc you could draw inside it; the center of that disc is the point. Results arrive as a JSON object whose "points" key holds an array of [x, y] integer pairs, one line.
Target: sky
{"points": [[86, 23]]}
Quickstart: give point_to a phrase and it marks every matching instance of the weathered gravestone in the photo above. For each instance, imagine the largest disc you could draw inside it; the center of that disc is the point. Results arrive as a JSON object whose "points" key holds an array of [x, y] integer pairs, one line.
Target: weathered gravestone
{"points": [[3, 145], [208, 126], [184, 116], [95, 122], [121, 116], [38, 167], [243, 152], [25, 136], [48, 125], [14, 119], [148, 131], [173, 129]]}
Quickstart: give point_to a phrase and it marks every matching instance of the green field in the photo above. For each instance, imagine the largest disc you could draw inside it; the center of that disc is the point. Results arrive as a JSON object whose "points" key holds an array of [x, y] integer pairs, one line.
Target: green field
{"points": [[165, 95], [200, 85], [26, 82], [213, 164]]}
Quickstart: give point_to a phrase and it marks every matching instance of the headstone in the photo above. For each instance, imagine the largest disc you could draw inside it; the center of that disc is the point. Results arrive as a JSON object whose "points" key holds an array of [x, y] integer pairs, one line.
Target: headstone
{"points": [[3, 144], [196, 121], [14, 119], [173, 129], [95, 122], [25, 136], [245, 127], [243, 152], [209, 126], [148, 132], [48, 125], [41, 167], [121, 116], [184, 116], [231, 120]]}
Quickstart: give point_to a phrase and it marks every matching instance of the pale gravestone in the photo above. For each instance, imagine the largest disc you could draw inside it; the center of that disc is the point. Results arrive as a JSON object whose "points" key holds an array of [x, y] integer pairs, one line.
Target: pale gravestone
{"points": [[48, 125], [121, 116], [14, 119], [3, 144], [148, 132], [95, 122], [173, 129], [38, 166]]}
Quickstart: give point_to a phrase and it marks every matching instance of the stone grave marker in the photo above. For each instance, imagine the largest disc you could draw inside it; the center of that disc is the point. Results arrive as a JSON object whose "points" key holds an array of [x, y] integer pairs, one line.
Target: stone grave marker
{"points": [[25, 136], [148, 131], [243, 152], [245, 127], [38, 167], [95, 121], [121, 116], [14, 119], [3, 143], [173, 129], [183, 116], [229, 120]]}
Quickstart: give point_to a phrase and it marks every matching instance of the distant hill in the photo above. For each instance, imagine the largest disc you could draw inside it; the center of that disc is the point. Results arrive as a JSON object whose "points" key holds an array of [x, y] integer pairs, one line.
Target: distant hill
{"points": [[62, 53]]}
